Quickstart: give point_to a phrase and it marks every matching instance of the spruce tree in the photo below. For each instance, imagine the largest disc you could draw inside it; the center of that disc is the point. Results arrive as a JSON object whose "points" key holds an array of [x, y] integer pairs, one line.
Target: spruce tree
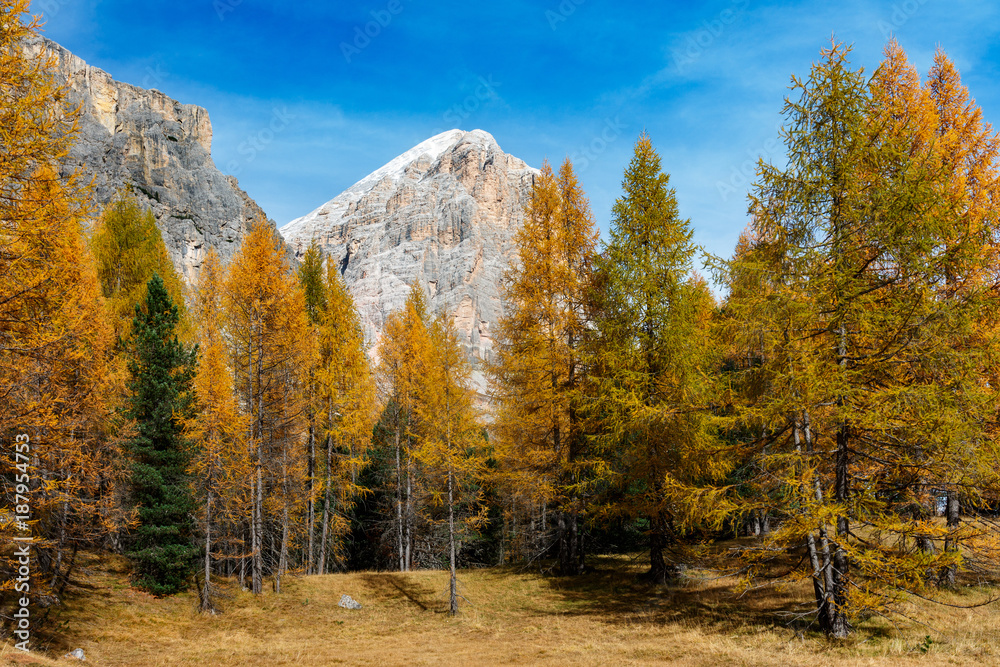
{"points": [[161, 397]]}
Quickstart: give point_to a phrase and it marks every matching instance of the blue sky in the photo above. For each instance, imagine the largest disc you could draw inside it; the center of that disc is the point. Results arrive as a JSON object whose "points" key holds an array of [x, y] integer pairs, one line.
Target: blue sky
{"points": [[304, 103]]}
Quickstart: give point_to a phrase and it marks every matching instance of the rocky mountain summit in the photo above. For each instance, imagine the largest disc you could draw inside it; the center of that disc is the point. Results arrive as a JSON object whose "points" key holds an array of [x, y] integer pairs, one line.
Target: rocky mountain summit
{"points": [[162, 149], [443, 214]]}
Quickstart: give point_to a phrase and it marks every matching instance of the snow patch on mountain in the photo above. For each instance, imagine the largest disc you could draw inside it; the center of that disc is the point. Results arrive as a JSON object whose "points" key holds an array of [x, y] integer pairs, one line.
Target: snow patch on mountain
{"points": [[394, 170]]}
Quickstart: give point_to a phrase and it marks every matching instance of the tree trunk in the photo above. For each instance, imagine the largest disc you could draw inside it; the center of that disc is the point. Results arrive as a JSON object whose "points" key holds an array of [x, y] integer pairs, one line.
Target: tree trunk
{"points": [[561, 538], [839, 627], [819, 553], [321, 565], [243, 566], [283, 558], [660, 572], [63, 515], [657, 564], [310, 504], [453, 594], [952, 510], [399, 503], [924, 512], [409, 510], [569, 556], [258, 523], [206, 594], [811, 547]]}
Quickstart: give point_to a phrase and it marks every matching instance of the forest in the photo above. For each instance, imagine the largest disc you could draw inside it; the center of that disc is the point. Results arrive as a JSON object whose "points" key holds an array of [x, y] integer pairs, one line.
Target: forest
{"points": [[830, 405]]}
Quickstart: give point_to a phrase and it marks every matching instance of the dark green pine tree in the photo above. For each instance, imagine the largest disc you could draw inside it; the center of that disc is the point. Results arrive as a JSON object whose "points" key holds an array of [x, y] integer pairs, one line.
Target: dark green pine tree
{"points": [[162, 369]]}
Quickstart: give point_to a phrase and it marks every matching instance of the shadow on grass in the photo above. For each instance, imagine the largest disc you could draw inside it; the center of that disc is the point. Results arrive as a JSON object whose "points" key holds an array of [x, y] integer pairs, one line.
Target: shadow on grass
{"points": [[616, 592], [390, 584]]}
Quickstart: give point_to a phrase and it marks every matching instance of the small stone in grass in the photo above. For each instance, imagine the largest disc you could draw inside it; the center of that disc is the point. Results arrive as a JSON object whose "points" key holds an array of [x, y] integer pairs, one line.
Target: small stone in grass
{"points": [[347, 602]]}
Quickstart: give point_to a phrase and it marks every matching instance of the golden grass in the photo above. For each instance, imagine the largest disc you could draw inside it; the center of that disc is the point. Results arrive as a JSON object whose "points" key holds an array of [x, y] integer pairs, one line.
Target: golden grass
{"points": [[512, 617]]}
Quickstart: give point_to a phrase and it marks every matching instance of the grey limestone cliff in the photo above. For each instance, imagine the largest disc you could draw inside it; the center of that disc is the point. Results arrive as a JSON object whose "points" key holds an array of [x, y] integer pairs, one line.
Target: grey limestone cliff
{"points": [[162, 150]]}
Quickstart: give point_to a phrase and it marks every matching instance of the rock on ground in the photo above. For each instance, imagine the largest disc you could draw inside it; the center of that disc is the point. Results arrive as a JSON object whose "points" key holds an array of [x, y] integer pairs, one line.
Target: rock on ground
{"points": [[347, 602]]}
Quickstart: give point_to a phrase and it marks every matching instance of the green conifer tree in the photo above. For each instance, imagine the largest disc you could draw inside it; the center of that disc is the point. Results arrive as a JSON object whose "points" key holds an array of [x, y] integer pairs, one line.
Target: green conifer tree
{"points": [[161, 397], [311, 273]]}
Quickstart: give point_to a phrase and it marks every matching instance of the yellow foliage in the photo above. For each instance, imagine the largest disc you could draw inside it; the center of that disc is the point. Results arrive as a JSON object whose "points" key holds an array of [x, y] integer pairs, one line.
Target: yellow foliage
{"points": [[57, 386]]}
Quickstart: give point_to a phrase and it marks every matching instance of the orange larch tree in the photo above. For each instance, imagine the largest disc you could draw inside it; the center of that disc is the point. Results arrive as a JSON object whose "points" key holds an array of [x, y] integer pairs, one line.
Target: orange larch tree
{"points": [[538, 374], [346, 409], [56, 394], [403, 351], [269, 348], [452, 447], [220, 468]]}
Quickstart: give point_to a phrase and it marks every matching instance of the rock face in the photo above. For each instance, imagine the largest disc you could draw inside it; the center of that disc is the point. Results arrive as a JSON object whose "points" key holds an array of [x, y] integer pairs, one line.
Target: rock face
{"points": [[160, 148], [443, 214]]}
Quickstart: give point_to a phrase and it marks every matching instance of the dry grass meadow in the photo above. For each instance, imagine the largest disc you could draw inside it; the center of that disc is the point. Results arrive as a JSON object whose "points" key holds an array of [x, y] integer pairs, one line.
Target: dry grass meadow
{"points": [[512, 617]]}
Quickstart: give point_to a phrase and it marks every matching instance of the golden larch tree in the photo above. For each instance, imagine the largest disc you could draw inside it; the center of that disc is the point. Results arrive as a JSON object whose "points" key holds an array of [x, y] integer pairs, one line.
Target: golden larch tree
{"points": [[346, 410], [650, 356], [220, 468], [403, 351], [452, 447], [56, 395], [538, 372], [269, 348]]}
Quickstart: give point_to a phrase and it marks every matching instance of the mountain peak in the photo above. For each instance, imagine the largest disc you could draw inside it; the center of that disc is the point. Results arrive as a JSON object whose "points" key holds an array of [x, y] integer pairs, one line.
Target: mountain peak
{"points": [[395, 169], [442, 215]]}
